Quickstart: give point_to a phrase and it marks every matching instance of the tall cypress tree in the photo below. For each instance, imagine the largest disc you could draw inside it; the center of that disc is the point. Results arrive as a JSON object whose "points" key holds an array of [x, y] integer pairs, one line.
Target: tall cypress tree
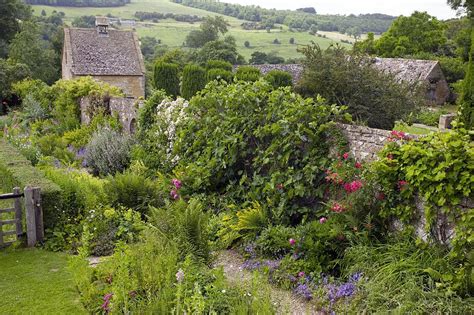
{"points": [[466, 111]]}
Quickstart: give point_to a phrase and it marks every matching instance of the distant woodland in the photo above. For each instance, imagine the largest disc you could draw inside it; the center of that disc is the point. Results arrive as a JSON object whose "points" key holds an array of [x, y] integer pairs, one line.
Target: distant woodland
{"points": [[305, 19], [80, 3]]}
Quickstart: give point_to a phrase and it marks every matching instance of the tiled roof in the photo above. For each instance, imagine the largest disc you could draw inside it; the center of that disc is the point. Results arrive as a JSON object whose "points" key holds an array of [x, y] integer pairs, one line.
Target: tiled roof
{"points": [[116, 53], [403, 69], [410, 70]]}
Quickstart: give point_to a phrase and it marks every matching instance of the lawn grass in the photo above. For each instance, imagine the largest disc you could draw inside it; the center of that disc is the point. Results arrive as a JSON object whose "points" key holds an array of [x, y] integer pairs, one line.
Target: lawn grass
{"points": [[34, 281], [173, 33], [411, 129]]}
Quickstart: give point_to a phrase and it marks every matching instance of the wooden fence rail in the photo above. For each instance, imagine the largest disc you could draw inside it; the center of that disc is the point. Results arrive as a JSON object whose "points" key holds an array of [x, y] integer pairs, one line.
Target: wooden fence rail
{"points": [[34, 216]]}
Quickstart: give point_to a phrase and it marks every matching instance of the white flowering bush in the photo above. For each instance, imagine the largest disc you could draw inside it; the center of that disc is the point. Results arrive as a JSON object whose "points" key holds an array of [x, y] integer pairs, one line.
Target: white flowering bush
{"points": [[157, 148]]}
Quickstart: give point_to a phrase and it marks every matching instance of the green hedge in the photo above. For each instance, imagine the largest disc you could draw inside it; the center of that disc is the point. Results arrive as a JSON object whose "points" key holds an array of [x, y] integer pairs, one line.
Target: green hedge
{"points": [[193, 80], [166, 77], [219, 74], [278, 78], [218, 64], [17, 171], [248, 73]]}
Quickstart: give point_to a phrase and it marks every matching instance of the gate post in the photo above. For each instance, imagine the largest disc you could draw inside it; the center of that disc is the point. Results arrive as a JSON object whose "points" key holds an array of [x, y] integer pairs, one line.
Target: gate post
{"points": [[34, 216]]}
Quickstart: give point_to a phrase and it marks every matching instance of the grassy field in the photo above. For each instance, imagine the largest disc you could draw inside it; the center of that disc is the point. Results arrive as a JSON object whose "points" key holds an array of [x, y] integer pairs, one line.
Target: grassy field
{"points": [[173, 33], [34, 281]]}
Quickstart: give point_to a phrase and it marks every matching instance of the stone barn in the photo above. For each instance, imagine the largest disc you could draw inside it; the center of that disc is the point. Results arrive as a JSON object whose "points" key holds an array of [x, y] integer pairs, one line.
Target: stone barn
{"points": [[108, 55], [427, 72]]}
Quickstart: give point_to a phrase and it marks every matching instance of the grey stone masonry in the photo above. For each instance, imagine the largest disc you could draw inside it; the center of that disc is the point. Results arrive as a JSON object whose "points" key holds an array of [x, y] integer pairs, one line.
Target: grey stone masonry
{"points": [[364, 142]]}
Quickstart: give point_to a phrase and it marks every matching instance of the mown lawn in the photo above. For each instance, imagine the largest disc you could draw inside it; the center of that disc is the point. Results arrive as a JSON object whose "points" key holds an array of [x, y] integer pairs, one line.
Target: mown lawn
{"points": [[34, 281]]}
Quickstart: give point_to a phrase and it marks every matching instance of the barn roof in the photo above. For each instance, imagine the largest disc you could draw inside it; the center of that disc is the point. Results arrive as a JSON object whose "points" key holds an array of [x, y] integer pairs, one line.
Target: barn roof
{"points": [[411, 70], [115, 53]]}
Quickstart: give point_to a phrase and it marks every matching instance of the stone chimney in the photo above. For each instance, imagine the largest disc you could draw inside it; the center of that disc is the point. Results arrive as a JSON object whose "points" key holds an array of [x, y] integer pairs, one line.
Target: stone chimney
{"points": [[102, 25]]}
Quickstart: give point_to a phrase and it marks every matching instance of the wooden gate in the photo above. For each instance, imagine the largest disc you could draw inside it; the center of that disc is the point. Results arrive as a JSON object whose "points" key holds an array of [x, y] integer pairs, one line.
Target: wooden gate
{"points": [[14, 217]]}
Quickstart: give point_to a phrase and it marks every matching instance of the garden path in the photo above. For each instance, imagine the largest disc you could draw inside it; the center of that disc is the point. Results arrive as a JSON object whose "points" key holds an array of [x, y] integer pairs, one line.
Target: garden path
{"points": [[286, 301]]}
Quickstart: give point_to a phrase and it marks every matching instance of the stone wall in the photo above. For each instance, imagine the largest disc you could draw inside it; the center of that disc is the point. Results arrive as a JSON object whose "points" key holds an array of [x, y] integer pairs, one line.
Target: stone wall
{"points": [[125, 108], [364, 142], [131, 85]]}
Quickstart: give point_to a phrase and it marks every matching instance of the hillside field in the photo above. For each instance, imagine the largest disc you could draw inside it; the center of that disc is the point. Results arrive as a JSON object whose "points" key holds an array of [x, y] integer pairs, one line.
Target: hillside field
{"points": [[173, 33]]}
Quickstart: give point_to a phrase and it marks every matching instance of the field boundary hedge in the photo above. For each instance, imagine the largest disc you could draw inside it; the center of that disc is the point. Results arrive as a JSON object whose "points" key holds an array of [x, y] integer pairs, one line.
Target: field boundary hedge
{"points": [[17, 171]]}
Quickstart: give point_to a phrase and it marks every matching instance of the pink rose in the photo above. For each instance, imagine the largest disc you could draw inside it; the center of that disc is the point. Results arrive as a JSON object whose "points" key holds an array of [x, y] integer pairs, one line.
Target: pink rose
{"points": [[301, 274], [177, 183], [323, 220], [345, 155], [292, 241]]}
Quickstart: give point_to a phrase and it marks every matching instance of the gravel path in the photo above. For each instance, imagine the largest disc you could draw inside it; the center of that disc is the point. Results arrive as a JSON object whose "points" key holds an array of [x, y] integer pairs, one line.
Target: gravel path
{"points": [[286, 301]]}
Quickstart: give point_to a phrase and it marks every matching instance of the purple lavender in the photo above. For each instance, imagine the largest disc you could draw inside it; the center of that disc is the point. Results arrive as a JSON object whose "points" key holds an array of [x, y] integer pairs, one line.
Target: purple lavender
{"points": [[346, 290], [250, 250], [355, 277], [304, 291]]}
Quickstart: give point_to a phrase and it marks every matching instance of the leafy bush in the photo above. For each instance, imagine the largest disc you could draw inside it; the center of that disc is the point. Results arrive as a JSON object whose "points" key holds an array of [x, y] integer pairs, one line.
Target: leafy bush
{"points": [[166, 78], [218, 64], [146, 114], [108, 152], [104, 227], [274, 241], [252, 142], [279, 78], [219, 74], [247, 73], [133, 191], [193, 80], [349, 79]]}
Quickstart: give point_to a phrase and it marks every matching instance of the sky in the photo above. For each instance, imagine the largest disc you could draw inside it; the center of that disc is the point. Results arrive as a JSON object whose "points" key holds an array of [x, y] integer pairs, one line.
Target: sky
{"points": [[438, 8]]}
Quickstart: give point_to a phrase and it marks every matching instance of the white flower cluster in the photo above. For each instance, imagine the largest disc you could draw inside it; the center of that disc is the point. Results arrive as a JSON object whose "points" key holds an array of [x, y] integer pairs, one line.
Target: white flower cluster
{"points": [[169, 115]]}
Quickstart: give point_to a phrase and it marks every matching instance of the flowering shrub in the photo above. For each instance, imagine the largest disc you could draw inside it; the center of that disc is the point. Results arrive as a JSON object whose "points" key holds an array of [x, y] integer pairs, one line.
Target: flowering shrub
{"points": [[251, 142]]}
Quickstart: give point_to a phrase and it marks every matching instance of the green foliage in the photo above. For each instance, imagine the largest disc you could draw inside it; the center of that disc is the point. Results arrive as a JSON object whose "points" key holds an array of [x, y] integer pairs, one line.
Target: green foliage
{"points": [[438, 168], [66, 95], [219, 74], [104, 227], [108, 151], [427, 116], [402, 277], [185, 223], [79, 193], [28, 48], [279, 78], [13, 12], [247, 73], [220, 50], [208, 32], [16, 171], [154, 277], [11, 72], [417, 33], [373, 97], [274, 241], [147, 113], [256, 143], [166, 78], [466, 112], [133, 191], [193, 80], [218, 64]]}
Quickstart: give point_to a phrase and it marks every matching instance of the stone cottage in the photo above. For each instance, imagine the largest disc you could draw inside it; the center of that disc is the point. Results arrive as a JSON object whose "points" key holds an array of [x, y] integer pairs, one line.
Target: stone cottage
{"points": [[108, 55]]}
